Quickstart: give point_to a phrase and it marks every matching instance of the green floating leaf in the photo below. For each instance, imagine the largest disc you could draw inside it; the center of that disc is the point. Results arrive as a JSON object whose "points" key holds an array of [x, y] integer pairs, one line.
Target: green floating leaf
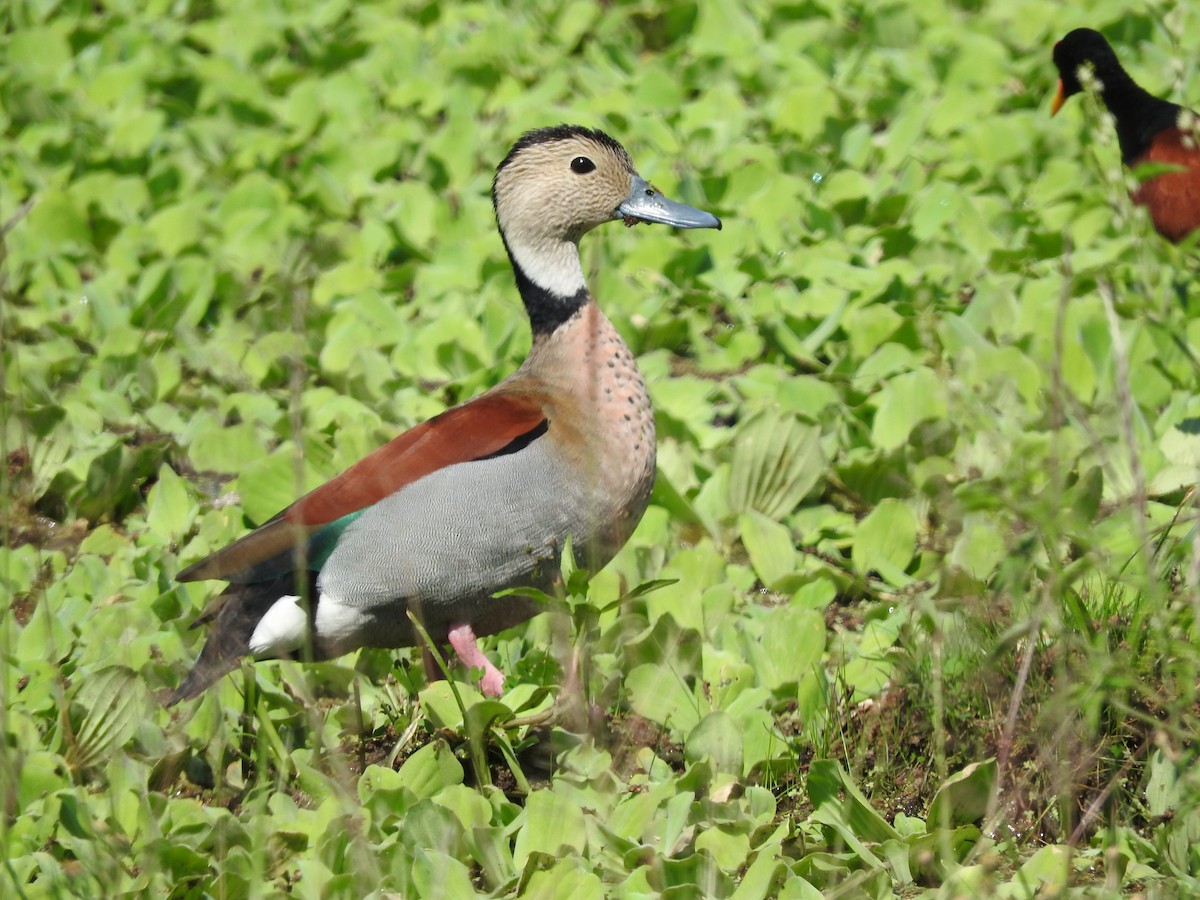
{"points": [[791, 648], [553, 824], [817, 594], [646, 587], [803, 110], [169, 506], [492, 847], [728, 848], [1162, 790], [56, 220], [761, 877], [896, 854], [964, 797], [565, 877], [1047, 872], [441, 706], [428, 824], [270, 482], [659, 694], [696, 875], [886, 541], [380, 787], [934, 208], [40, 774], [478, 721], [673, 501], [718, 737], [831, 872], [69, 816], [116, 700], [482, 715], [430, 769], [777, 459], [770, 546], [697, 569], [933, 855], [1181, 443], [467, 804], [437, 874], [227, 449], [903, 403], [870, 326], [797, 888], [971, 881], [871, 667], [837, 798], [980, 548]]}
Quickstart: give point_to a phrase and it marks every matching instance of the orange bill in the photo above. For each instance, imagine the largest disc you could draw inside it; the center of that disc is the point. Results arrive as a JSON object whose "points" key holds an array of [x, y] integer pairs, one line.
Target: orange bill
{"points": [[1059, 99]]}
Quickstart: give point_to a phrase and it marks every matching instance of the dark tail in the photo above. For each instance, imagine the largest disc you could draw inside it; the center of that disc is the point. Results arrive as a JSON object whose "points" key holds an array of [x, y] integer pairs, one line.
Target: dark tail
{"points": [[241, 608]]}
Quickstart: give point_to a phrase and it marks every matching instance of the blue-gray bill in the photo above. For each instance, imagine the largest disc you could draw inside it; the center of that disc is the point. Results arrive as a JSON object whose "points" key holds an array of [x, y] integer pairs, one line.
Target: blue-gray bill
{"points": [[645, 204]]}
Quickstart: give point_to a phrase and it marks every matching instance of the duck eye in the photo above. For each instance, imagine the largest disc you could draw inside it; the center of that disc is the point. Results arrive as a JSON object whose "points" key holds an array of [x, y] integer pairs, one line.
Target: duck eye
{"points": [[581, 165]]}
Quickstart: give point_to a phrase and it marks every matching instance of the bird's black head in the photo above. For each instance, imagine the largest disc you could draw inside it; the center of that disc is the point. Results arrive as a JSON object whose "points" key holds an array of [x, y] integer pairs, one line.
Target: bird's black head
{"points": [[1079, 47]]}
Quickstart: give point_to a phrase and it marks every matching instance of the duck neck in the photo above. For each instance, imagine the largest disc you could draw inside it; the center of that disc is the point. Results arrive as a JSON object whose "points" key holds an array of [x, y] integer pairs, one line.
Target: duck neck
{"points": [[550, 278], [1138, 113]]}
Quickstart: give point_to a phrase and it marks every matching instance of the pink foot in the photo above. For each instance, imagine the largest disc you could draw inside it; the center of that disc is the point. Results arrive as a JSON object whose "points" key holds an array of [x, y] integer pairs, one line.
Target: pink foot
{"points": [[462, 639]]}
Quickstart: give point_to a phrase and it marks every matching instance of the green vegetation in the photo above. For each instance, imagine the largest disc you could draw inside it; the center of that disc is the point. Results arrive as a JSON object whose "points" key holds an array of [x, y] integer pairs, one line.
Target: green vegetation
{"points": [[924, 524]]}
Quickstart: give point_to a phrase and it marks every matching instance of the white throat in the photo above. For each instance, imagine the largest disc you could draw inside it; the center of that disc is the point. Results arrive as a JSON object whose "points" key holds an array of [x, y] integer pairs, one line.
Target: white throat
{"points": [[553, 266]]}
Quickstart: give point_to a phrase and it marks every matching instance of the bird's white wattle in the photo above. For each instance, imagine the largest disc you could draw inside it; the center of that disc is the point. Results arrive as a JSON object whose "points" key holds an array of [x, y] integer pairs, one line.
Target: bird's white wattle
{"points": [[281, 630], [553, 266]]}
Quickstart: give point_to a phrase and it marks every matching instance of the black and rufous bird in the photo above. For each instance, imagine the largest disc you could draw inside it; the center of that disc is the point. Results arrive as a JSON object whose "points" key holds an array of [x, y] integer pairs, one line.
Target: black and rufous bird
{"points": [[1149, 130]]}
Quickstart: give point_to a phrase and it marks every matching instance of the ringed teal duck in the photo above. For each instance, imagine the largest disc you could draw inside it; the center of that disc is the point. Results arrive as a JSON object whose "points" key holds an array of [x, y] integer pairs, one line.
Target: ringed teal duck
{"points": [[482, 497], [1149, 130]]}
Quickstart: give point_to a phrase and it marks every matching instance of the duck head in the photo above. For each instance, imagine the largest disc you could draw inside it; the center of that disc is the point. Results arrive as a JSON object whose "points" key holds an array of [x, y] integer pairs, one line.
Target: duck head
{"points": [[554, 186]]}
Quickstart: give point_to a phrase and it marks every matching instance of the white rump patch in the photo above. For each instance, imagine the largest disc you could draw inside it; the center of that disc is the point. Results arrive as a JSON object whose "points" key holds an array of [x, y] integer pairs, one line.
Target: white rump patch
{"points": [[340, 626], [281, 630]]}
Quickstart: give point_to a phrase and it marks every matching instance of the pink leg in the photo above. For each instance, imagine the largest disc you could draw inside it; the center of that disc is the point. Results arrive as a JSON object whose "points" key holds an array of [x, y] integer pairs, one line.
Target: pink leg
{"points": [[462, 639]]}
